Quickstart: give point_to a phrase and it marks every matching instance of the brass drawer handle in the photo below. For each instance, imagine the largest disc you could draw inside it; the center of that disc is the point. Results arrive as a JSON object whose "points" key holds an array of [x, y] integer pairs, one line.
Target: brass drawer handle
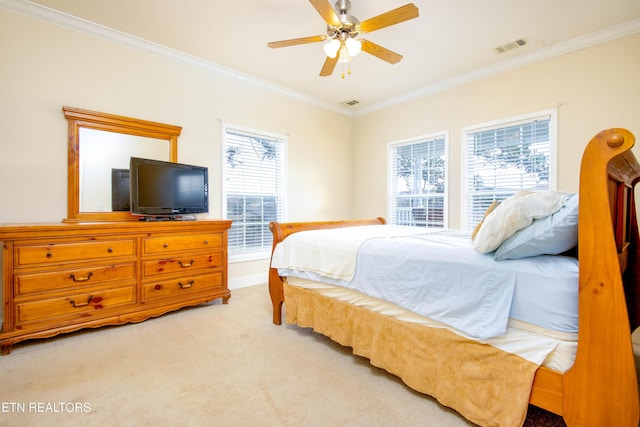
{"points": [[81, 279], [186, 264], [81, 304], [185, 285]]}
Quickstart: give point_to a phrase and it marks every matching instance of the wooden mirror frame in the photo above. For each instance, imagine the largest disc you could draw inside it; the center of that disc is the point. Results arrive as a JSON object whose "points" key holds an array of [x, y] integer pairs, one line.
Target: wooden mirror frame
{"points": [[78, 118]]}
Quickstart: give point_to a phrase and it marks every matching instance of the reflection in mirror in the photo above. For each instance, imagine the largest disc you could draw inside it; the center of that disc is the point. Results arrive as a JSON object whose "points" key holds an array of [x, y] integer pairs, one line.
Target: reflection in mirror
{"points": [[99, 150], [104, 164]]}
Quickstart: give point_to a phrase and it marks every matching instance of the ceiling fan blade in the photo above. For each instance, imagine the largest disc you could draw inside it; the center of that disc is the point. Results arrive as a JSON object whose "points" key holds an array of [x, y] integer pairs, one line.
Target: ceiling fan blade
{"points": [[293, 42], [327, 12], [392, 17], [329, 65], [380, 52]]}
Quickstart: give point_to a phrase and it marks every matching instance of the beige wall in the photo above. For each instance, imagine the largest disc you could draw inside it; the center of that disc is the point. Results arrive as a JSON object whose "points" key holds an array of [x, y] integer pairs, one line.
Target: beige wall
{"points": [[592, 89], [45, 66]]}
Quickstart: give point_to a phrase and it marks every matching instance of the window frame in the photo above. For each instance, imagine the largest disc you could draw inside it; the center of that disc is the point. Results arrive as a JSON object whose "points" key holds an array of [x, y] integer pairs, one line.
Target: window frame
{"points": [[444, 134], [265, 252], [551, 114]]}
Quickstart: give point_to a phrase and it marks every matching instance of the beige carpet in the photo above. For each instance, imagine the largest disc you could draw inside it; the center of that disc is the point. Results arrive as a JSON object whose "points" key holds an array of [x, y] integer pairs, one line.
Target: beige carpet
{"points": [[220, 365]]}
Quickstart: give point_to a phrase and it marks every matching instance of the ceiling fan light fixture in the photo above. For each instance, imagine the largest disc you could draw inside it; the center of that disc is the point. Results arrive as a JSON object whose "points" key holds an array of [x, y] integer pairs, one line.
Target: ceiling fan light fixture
{"points": [[331, 48], [353, 46]]}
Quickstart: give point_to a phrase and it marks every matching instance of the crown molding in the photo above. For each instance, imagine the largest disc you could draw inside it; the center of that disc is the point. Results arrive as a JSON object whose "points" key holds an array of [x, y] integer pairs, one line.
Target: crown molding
{"points": [[75, 23], [84, 26], [588, 40]]}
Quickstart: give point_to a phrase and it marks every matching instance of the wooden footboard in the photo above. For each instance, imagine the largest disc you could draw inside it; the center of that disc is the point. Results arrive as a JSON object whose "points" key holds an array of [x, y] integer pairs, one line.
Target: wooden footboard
{"points": [[280, 231], [601, 388]]}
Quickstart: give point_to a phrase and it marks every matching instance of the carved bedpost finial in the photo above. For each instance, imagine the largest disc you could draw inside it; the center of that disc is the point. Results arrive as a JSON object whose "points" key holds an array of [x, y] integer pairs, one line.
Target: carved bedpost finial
{"points": [[615, 140]]}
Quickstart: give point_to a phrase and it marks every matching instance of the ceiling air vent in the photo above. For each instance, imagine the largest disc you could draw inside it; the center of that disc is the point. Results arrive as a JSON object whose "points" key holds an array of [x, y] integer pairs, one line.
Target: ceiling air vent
{"points": [[511, 45], [350, 103]]}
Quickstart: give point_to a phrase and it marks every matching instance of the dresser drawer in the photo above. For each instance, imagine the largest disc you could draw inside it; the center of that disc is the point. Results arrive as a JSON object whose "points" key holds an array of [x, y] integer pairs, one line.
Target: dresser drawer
{"points": [[182, 264], [80, 304], [53, 253], [72, 278], [165, 244], [181, 287]]}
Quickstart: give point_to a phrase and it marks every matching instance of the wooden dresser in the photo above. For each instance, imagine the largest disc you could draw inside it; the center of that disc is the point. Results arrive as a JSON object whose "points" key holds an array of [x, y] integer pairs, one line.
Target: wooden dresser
{"points": [[63, 277]]}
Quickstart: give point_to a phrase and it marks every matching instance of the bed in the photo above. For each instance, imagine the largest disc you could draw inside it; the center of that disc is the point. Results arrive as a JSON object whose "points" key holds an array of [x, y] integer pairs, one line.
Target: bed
{"points": [[580, 367]]}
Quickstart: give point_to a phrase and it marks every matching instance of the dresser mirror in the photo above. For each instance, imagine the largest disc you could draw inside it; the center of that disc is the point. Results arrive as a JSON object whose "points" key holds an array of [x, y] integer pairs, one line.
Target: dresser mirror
{"points": [[100, 146]]}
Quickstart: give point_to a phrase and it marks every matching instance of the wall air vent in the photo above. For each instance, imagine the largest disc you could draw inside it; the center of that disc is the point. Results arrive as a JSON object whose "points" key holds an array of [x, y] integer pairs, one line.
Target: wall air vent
{"points": [[350, 103], [510, 46]]}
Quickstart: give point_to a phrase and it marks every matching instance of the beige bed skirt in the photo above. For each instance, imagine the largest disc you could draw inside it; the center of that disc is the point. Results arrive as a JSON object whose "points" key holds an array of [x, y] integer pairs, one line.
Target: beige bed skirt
{"points": [[486, 385]]}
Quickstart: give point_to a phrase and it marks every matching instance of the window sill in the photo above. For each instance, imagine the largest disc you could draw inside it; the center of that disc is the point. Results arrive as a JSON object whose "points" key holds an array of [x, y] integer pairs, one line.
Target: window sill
{"points": [[255, 256]]}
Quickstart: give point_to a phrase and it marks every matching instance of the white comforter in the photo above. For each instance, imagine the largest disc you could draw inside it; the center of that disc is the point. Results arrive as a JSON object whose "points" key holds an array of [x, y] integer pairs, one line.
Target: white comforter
{"points": [[332, 252]]}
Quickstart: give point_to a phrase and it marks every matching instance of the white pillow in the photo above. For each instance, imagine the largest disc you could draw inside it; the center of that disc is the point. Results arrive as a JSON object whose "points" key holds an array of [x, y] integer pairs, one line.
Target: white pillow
{"points": [[515, 213], [551, 235]]}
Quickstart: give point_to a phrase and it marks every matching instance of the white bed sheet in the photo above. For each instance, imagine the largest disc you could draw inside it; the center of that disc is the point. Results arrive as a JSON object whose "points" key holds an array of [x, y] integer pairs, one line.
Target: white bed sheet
{"points": [[440, 276], [546, 292], [533, 297]]}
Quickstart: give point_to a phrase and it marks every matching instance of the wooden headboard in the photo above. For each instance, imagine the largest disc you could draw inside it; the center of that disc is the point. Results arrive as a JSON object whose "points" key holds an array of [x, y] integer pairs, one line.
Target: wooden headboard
{"points": [[607, 306], [623, 175]]}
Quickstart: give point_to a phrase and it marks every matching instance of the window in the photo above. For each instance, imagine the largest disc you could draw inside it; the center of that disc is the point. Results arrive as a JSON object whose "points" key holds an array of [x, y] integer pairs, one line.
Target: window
{"points": [[417, 181], [253, 188], [505, 157]]}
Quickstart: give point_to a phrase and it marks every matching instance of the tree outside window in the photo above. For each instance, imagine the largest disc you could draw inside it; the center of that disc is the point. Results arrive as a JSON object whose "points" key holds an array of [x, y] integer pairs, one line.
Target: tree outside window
{"points": [[254, 189], [504, 159], [417, 182]]}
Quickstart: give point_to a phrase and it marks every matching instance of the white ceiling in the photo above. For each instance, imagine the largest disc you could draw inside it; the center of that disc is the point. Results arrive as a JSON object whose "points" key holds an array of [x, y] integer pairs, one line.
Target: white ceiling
{"points": [[452, 41]]}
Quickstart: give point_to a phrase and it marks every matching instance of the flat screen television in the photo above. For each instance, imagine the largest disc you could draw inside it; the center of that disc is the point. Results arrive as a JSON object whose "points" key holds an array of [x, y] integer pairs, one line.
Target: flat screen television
{"points": [[166, 189]]}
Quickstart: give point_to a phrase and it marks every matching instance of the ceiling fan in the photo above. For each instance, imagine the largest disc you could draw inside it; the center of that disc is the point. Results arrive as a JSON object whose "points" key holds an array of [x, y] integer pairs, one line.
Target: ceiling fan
{"points": [[342, 30]]}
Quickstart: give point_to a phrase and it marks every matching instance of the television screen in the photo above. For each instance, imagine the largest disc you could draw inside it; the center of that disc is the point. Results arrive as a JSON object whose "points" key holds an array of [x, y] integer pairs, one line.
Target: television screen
{"points": [[166, 188]]}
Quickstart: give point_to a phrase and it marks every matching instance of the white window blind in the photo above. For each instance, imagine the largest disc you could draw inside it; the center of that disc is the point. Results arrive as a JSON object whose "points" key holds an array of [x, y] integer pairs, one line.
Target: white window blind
{"points": [[253, 187], [504, 158], [417, 181]]}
